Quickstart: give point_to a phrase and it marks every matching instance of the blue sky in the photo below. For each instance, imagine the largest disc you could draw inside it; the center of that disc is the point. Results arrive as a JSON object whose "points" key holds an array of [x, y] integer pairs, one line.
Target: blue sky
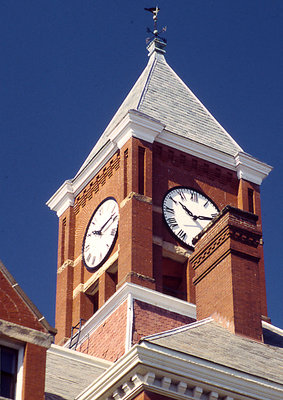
{"points": [[65, 68]]}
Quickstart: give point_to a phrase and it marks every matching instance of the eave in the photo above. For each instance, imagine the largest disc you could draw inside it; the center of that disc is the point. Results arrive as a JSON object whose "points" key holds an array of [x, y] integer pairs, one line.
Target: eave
{"points": [[138, 125]]}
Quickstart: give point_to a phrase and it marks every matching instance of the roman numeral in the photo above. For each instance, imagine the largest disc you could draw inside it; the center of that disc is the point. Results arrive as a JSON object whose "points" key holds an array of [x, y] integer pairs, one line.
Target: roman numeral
{"points": [[168, 209], [214, 215], [113, 232], [171, 198], [93, 260], [87, 247], [88, 257], [182, 235], [206, 203], [172, 222], [194, 196], [182, 195]]}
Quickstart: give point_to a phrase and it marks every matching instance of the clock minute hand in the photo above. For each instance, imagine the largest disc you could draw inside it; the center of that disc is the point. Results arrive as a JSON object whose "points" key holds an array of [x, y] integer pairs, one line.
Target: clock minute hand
{"points": [[113, 216], [187, 210]]}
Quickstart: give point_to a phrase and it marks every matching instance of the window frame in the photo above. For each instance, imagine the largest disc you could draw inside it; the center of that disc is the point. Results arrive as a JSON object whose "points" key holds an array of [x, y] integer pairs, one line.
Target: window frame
{"points": [[20, 366]]}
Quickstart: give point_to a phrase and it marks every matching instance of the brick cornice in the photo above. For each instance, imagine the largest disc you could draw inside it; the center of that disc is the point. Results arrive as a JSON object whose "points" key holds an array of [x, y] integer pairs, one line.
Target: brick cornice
{"points": [[246, 237]]}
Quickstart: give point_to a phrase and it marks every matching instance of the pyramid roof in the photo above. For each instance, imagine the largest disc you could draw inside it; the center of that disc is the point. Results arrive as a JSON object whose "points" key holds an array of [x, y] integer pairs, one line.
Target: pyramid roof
{"points": [[160, 94]]}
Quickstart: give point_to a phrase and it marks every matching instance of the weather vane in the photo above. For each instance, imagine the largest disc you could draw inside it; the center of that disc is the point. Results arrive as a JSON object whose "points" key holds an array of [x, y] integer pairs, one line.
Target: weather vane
{"points": [[155, 33]]}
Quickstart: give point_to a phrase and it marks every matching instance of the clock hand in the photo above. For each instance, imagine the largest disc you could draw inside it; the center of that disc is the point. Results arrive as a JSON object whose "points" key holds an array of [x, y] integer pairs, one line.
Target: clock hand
{"points": [[187, 210], [103, 226], [204, 218]]}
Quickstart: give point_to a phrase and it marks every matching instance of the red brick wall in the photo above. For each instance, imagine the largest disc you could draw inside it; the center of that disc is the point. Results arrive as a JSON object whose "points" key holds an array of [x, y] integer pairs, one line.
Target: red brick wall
{"points": [[34, 372], [13, 308], [108, 340], [139, 261], [227, 273], [149, 319]]}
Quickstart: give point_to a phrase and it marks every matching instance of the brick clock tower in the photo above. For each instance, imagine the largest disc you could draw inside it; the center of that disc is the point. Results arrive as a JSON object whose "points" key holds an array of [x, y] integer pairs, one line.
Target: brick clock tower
{"points": [[161, 225]]}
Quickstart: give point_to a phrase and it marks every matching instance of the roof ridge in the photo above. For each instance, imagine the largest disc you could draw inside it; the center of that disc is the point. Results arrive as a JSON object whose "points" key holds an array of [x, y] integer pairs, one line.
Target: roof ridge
{"points": [[147, 83], [203, 106]]}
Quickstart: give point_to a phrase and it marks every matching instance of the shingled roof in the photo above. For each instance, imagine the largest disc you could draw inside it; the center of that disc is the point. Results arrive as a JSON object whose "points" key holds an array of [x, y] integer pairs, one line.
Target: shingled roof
{"points": [[162, 95], [209, 341]]}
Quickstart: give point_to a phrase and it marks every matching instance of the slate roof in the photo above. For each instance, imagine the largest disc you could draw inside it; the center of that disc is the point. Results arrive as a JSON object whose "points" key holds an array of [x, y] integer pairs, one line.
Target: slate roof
{"points": [[209, 341], [161, 94], [69, 372]]}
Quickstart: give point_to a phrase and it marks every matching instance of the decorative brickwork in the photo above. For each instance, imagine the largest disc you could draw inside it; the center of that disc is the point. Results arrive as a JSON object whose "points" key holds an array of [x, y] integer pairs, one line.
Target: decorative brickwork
{"points": [[94, 185], [227, 273]]}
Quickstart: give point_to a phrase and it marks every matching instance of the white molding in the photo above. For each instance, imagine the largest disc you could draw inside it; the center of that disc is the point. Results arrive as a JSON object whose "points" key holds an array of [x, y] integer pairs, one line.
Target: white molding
{"points": [[134, 124], [176, 375], [196, 149], [137, 292], [130, 321], [251, 169], [272, 328], [139, 125], [62, 198]]}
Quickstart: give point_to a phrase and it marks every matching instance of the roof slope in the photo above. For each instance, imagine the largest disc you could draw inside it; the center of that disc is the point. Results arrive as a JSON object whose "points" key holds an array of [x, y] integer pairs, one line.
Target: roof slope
{"points": [[68, 372], [209, 341], [162, 95]]}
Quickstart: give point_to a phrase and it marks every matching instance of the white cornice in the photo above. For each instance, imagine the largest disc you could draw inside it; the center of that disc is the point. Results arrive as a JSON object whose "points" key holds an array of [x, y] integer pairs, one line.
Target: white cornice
{"points": [[251, 169], [138, 125], [176, 375], [135, 292], [196, 149], [62, 199], [134, 124]]}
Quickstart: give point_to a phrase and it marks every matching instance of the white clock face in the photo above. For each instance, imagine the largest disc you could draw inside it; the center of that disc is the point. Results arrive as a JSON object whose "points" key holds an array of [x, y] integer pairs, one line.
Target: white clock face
{"points": [[186, 212], [101, 233]]}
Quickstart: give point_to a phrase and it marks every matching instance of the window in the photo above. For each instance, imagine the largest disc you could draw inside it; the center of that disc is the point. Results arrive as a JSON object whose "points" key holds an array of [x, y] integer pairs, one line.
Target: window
{"points": [[251, 200], [11, 360]]}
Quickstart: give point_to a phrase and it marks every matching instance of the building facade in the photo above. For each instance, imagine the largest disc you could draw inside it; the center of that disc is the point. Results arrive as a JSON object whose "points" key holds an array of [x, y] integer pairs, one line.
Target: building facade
{"points": [[160, 279]]}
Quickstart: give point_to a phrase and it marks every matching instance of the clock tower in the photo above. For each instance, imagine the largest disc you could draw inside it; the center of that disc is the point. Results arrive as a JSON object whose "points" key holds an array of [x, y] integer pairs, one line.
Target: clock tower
{"points": [[160, 174]]}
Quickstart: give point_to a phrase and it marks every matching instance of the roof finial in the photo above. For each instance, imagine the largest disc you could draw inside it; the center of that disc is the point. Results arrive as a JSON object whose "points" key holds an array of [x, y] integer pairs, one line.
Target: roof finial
{"points": [[155, 11], [156, 43]]}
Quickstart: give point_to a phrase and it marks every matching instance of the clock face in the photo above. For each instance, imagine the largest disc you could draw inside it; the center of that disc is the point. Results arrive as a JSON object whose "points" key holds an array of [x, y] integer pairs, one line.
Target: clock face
{"points": [[101, 233], [186, 212]]}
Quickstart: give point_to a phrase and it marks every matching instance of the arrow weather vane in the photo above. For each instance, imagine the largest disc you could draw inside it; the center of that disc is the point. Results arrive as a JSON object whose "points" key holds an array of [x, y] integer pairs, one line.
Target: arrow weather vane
{"points": [[155, 11]]}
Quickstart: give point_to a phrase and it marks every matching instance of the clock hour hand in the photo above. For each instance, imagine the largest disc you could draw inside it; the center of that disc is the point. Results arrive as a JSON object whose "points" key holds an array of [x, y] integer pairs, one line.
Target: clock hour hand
{"points": [[187, 210], [204, 218]]}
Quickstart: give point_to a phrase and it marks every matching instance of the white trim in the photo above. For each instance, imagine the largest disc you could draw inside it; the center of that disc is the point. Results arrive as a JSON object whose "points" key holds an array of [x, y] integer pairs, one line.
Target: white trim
{"points": [[251, 169], [130, 321], [138, 293], [20, 366], [139, 125], [152, 367], [62, 198], [272, 328]]}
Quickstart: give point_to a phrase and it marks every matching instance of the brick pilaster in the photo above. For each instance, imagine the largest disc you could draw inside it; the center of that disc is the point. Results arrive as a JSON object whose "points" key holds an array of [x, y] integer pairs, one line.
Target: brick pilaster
{"points": [[227, 279]]}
